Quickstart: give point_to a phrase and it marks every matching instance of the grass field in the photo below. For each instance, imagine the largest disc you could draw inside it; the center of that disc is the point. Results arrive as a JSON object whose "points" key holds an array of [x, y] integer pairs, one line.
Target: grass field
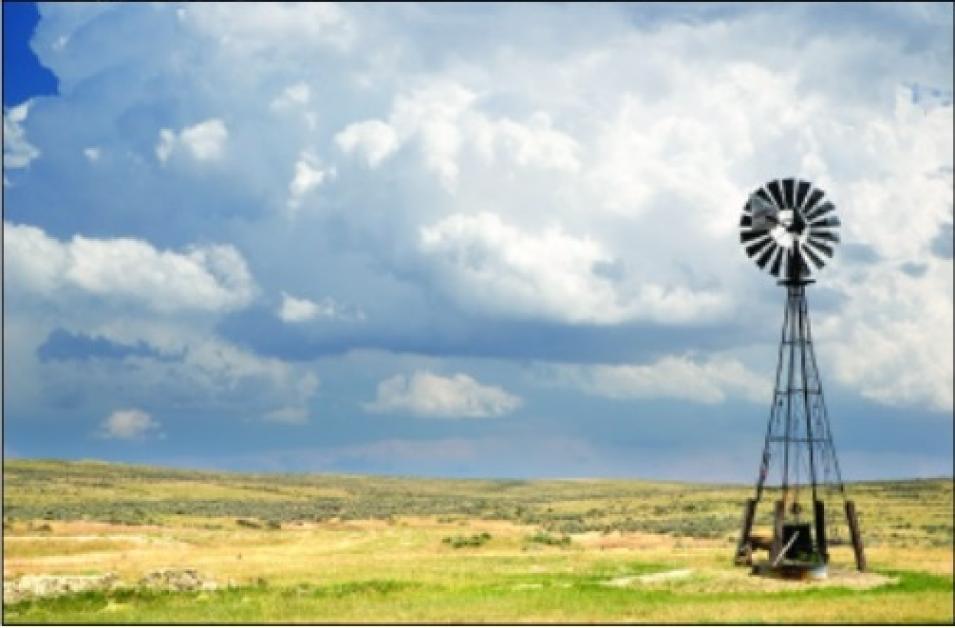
{"points": [[294, 548]]}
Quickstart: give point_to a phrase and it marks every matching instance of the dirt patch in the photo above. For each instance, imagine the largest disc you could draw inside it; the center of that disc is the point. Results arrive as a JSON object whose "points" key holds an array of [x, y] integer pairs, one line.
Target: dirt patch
{"points": [[649, 578], [740, 580]]}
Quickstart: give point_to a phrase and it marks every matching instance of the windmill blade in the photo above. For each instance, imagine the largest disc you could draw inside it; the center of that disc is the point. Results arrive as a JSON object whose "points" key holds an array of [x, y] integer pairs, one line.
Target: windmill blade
{"points": [[777, 262], [776, 190], [829, 236], [798, 258], [758, 246], [763, 194], [804, 270], [802, 189], [765, 214], [822, 210], [825, 248], [766, 255], [818, 252], [747, 236], [814, 197], [812, 257], [828, 221], [789, 193]]}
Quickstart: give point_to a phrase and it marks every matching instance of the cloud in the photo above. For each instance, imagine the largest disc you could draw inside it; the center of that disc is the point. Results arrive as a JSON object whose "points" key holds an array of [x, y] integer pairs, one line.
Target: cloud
{"points": [[491, 266], [129, 424], [293, 96], [373, 139], [63, 345], [285, 28], [426, 394], [210, 277], [139, 360], [205, 141], [441, 118], [290, 415], [308, 176], [943, 245], [710, 381], [296, 310], [892, 341], [17, 151]]}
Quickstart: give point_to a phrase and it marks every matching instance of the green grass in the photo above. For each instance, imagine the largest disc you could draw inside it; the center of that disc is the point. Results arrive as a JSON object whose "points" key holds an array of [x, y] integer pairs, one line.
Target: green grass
{"points": [[370, 600]]}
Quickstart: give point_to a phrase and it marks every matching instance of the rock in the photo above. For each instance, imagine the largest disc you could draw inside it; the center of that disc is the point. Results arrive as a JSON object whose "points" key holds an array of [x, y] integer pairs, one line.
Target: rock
{"points": [[45, 585], [178, 579]]}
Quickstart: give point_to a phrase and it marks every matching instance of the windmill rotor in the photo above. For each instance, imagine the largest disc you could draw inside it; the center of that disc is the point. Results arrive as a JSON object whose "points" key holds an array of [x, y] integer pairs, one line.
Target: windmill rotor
{"points": [[789, 228]]}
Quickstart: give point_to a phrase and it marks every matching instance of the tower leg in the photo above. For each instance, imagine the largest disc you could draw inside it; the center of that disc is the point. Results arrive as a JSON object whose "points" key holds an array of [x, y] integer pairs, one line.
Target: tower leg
{"points": [[744, 550], [856, 535], [778, 540], [819, 513]]}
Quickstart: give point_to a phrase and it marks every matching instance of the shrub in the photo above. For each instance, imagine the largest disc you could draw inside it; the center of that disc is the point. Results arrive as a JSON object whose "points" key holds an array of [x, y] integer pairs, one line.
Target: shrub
{"points": [[248, 523], [544, 538], [475, 540]]}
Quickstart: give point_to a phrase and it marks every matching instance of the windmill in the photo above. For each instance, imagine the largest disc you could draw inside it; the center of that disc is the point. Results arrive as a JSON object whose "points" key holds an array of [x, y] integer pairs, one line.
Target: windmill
{"points": [[789, 229]]}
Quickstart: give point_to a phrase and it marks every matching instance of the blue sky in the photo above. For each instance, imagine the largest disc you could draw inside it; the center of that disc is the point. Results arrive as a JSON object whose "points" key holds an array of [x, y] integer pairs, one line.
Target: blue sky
{"points": [[475, 240]]}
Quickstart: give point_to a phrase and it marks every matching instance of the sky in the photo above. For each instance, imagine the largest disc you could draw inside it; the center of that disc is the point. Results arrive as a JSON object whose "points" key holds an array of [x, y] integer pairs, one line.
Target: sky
{"points": [[494, 240]]}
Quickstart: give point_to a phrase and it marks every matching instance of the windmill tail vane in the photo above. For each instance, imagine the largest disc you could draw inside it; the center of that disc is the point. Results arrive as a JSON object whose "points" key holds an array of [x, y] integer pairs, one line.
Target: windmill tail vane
{"points": [[789, 229]]}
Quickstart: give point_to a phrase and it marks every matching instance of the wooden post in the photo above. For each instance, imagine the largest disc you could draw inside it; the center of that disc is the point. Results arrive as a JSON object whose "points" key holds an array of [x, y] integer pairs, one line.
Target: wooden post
{"points": [[778, 540], [856, 535], [822, 544], [744, 553]]}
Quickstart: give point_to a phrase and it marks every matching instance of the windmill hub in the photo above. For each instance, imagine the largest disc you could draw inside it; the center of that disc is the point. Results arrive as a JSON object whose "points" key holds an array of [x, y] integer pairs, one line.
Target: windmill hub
{"points": [[790, 229]]}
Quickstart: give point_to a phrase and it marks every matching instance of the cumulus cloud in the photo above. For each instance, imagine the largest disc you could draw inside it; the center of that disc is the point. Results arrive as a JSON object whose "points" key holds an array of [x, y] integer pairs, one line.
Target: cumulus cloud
{"points": [[292, 96], [373, 139], [210, 277], [295, 310], [204, 141], [286, 27], [490, 265], [426, 394], [893, 339], [131, 424], [441, 118], [308, 176], [707, 381], [299, 310], [18, 152]]}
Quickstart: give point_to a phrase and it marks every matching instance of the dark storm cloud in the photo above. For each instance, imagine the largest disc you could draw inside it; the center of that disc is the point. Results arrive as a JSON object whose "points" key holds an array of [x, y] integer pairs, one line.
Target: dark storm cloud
{"points": [[260, 330], [64, 345]]}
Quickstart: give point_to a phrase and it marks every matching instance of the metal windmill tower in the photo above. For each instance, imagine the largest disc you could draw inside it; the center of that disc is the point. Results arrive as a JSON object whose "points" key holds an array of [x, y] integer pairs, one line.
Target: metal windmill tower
{"points": [[786, 226]]}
